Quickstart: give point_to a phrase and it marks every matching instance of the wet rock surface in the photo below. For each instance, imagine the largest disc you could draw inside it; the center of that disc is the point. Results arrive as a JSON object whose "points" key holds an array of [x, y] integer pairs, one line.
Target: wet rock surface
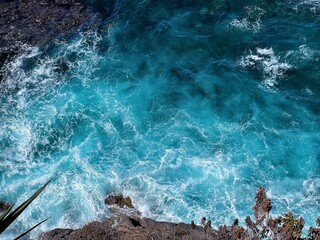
{"points": [[129, 226], [119, 200], [36, 22], [4, 206], [124, 227]]}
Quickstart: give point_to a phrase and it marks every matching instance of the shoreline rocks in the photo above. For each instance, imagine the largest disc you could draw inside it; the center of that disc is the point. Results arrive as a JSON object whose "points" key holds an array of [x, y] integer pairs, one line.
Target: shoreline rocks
{"points": [[36, 22], [127, 226], [124, 227], [119, 200]]}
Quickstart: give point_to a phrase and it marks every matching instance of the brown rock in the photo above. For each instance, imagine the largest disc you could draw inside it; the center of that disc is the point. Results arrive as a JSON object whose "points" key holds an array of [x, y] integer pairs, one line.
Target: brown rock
{"points": [[288, 227], [253, 230], [314, 233], [35, 22], [119, 200], [56, 234], [127, 228], [92, 231], [193, 225], [262, 207], [124, 227], [4, 206]]}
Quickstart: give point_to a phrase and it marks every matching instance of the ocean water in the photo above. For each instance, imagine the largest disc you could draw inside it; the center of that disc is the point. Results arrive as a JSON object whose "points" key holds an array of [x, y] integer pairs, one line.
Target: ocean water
{"points": [[188, 107]]}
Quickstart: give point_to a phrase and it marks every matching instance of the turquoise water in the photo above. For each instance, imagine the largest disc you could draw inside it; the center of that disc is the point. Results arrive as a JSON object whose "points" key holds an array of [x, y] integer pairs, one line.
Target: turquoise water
{"points": [[188, 108]]}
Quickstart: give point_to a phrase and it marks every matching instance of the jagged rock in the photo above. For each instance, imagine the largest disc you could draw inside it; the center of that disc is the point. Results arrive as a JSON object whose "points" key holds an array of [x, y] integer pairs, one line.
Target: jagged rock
{"points": [[207, 227], [35, 22], [286, 227], [238, 232], [4, 206], [92, 231], [203, 221], [119, 200], [193, 225], [253, 230], [124, 227], [127, 228], [234, 232], [56, 234], [314, 233], [262, 207]]}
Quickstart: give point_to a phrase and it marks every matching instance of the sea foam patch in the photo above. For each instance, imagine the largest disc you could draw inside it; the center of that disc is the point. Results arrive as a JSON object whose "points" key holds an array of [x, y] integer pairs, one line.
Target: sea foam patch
{"points": [[265, 60], [252, 21]]}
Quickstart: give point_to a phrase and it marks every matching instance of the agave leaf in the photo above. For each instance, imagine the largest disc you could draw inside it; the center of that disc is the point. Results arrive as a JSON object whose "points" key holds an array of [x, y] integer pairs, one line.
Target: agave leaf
{"points": [[25, 233], [13, 215], [5, 213]]}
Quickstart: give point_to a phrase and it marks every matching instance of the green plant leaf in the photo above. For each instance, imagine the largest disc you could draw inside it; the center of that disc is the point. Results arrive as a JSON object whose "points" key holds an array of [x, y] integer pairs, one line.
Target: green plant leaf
{"points": [[13, 215], [25, 233]]}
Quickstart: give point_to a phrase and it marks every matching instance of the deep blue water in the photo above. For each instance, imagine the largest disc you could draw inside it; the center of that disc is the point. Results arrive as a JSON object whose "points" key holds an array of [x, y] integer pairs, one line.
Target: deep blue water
{"points": [[188, 108]]}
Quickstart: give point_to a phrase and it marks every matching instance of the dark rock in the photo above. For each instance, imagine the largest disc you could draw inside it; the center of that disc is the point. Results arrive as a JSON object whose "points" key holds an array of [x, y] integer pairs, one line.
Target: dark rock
{"points": [[119, 200], [134, 222], [287, 227], [5, 57], [207, 227], [4, 206], [64, 2], [38, 21], [235, 222], [123, 227], [253, 230], [262, 207], [314, 233], [57, 234], [193, 225], [231, 233], [127, 228], [203, 221], [92, 231]]}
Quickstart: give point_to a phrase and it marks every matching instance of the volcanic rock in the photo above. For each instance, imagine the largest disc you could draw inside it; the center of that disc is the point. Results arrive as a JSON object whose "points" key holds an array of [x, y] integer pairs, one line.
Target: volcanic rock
{"points": [[36, 21], [119, 200], [4, 206], [124, 227]]}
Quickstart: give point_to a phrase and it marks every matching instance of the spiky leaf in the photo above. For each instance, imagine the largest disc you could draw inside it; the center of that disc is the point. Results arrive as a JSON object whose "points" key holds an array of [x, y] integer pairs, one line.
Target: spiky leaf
{"points": [[13, 215], [25, 233]]}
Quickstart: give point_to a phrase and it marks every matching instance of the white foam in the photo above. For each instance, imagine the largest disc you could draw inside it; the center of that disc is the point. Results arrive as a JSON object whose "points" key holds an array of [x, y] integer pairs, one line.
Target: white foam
{"points": [[311, 5], [170, 159], [306, 52], [252, 21], [265, 60]]}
